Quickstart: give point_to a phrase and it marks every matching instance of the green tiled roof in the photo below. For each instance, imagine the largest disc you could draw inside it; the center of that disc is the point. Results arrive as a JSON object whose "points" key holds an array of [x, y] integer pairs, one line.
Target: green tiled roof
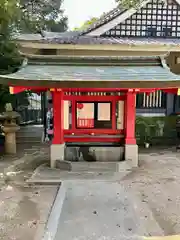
{"points": [[83, 74]]}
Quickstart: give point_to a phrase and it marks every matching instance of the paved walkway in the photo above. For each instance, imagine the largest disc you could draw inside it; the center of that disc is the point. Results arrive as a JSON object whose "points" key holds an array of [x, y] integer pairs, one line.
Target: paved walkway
{"points": [[150, 193], [101, 210]]}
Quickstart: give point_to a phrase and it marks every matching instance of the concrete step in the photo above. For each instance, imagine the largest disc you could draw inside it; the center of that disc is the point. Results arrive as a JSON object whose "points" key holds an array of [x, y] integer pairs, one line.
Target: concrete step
{"points": [[28, 145], [28, 142], [28, 139], [52, 178], [46, 175], [29, 133], [99, 166], [28, 130], [28, 136]]}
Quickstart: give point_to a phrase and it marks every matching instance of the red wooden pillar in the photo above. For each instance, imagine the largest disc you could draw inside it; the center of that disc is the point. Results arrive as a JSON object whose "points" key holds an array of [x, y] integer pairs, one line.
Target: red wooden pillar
{"points": [[58, 115], [130, 118]]}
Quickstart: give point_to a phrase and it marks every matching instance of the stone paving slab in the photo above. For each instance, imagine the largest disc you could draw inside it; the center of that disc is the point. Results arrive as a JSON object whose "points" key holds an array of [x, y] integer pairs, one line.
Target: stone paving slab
{"points": [[46, 175], [173, 237], [100, 210], [100, 166]]}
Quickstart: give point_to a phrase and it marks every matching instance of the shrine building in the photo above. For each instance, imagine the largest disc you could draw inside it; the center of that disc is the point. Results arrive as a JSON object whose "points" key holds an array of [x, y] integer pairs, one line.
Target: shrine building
{"points": [[93, 77]]}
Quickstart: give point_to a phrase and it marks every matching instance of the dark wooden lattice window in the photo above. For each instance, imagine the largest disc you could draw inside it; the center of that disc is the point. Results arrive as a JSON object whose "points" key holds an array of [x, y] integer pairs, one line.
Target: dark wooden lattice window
{"points": [[167, 32], [151, 32], [153, 100], [139, 100]]}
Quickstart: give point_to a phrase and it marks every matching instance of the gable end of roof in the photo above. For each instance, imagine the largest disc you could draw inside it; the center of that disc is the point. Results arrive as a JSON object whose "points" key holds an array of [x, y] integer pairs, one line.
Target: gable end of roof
{"points": [[114, 17], [105, 18]]}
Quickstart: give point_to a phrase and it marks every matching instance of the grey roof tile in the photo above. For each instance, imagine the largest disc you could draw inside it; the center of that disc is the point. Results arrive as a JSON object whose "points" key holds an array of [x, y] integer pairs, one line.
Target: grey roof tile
{"points": [[48, 35], [74, 37], [93, 73], [111, 40]]}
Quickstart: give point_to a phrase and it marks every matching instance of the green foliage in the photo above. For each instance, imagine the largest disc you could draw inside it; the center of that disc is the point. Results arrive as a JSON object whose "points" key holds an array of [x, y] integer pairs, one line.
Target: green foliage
{"points": [[87, 23], [129, 3], [156, 130], [143, 126], [9, 14], [20, 99], [31, 16], [10, 59], [26, 16], [38, 15], [57, 25]]}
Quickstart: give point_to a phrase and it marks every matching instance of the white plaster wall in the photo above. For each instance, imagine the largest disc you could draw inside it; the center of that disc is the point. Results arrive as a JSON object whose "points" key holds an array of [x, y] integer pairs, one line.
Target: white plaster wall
{"points": [[66, 114], [104, 111], [120, 120], [86, 112]]}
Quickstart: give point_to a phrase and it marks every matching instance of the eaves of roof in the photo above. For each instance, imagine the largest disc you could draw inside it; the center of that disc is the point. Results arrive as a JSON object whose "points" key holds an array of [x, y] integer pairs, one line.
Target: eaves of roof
{"points": [[111, 40], [86, 76]]}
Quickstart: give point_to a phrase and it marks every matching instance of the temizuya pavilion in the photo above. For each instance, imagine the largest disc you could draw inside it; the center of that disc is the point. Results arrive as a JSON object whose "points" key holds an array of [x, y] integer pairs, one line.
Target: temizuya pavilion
{"points": [[96, 80]]}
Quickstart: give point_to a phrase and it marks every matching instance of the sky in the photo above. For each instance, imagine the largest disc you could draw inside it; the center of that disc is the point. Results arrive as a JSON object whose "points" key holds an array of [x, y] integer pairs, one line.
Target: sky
{"points": [[78, 11]]}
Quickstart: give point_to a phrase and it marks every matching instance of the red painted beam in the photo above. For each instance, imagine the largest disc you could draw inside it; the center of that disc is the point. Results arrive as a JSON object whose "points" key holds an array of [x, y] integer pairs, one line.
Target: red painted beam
{"points": [[90, 139], [136, 90], [92, 89], [93, 131], [93, 98], [17, 89], [171, 90]]}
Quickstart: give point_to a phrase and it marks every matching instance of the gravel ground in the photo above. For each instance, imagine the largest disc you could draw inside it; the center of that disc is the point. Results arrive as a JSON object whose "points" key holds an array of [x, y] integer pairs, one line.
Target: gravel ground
{"points": [[157, 182], [24, 209]]}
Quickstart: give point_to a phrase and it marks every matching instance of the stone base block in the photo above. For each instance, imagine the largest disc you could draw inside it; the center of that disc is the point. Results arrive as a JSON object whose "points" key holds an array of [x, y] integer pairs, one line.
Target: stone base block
{"points": [[131, 154], [57, 153], [10, 143], [63, 165], [107, 154], [93, 154], [72, 154]]}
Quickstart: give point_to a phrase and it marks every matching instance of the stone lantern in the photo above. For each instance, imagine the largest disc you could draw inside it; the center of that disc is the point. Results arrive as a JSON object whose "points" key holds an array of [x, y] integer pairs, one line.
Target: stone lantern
{"points": [[10, 128]]}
